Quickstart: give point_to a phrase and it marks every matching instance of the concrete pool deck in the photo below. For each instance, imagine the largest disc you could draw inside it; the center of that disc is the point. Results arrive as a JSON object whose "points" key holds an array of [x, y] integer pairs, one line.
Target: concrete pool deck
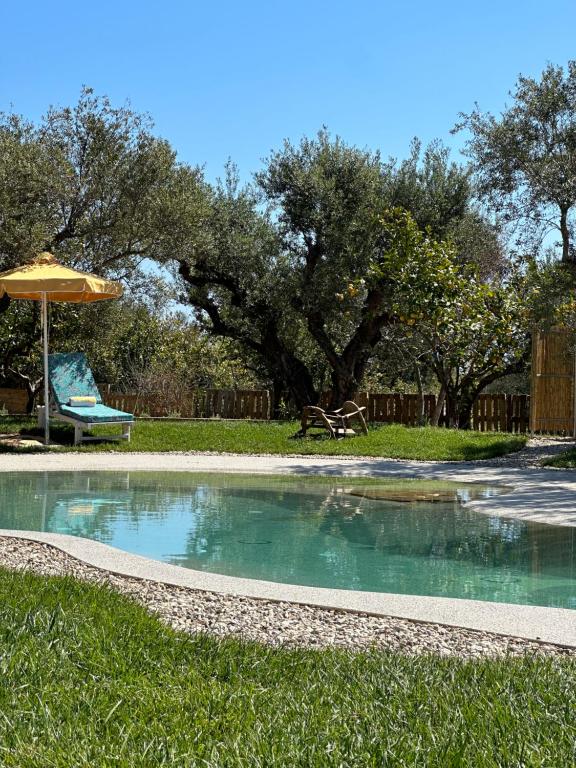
{"points": [[539, 495]]}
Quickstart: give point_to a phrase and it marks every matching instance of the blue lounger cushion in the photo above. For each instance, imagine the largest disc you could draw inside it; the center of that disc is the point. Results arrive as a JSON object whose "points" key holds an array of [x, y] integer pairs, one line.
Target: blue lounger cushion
{"points": [[70, 376], [99, 413]]}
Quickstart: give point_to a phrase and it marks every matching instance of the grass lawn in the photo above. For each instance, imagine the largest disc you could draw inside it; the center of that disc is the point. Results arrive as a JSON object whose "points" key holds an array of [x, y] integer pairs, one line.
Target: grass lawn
{"points": [[564, 460], [89, 678], [389, 440]]}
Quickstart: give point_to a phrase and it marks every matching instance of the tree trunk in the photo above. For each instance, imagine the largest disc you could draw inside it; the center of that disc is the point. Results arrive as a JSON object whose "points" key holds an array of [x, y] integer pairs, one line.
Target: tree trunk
{"points": [[465, 404], [301, 387], [344, 387], [348, 371], [452, 406], [439, 406], [285, 367], [30, 400], [32, 389], [421, 405], [567, 256], [276, 396], [349, 366]]}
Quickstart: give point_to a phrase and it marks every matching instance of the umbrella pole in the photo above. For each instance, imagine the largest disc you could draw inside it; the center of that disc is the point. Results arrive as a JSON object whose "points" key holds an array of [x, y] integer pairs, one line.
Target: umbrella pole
{"points": [[46, 385]]}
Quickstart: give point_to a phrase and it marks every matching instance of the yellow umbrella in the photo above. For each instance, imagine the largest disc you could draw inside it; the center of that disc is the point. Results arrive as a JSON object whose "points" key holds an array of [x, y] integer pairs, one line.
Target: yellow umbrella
{"points": [[45, 279]]}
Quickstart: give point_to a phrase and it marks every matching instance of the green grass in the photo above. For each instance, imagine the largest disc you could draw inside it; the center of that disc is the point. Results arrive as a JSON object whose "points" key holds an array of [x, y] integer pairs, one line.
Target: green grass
{"points": [[391, 440], [91, 679], [564, 460]]}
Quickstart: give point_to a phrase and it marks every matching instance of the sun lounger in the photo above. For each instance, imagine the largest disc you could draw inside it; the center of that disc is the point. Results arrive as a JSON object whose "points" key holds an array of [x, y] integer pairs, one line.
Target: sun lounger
{"points": [[72, 387], [336, 423]]}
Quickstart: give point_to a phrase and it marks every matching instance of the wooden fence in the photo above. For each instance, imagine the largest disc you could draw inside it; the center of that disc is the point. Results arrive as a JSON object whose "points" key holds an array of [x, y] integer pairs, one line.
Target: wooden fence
{"points": [[491, 413], [392, 408], [500, 413], [196, 404], [13, 400]]}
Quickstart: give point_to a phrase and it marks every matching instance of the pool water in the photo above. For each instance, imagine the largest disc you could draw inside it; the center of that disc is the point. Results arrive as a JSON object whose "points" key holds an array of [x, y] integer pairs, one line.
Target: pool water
{"points": [[326, 533]]}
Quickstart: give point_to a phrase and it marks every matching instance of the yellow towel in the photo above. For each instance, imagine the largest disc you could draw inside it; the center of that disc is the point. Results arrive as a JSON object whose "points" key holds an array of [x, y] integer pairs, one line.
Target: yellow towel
{"points": [[82, 401]]}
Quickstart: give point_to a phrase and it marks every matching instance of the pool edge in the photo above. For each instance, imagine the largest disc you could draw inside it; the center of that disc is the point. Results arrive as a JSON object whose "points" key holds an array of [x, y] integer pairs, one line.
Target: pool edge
{"points": [[536, 623]]}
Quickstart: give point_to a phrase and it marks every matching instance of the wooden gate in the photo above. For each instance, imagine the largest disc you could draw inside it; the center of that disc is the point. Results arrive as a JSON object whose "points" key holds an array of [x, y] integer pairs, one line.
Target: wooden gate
{"points": [[553, 383]]}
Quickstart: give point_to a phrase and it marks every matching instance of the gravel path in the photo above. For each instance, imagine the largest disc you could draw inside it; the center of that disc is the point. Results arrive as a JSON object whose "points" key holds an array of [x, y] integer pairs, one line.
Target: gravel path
{"points": [[276, 624], [536, 450]]}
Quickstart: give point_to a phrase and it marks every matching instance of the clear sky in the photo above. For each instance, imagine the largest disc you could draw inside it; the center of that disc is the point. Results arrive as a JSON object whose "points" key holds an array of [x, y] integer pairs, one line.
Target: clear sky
{"points": [[234, 78]]}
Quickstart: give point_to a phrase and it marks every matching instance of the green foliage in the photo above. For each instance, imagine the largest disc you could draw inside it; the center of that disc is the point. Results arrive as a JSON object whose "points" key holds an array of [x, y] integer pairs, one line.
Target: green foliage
{"points": [[472, 332], [525, 161], [235, 269], [20, 339], [138, 346], [418, 275], [232, 271], [27, 207], [304, 275], [88, 182], [359, 264], [93, 185], [437, 192], [90, 678], [469, 332], [327, 196], [441, 197], [552, 300], [477, 335], [150, 348]]}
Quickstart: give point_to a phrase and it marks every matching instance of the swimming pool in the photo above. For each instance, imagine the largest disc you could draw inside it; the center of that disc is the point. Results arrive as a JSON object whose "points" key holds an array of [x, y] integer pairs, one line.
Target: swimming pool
{"points": [[338, 533]]}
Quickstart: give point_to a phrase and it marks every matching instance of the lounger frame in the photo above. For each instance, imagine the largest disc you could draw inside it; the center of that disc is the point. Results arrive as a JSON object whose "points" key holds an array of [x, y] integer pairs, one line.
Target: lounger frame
{"points": [[81, 426]]}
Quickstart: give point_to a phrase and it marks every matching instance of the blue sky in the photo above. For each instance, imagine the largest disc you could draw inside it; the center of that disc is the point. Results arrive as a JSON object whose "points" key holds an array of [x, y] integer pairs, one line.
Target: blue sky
{"points": [[233, 79]]}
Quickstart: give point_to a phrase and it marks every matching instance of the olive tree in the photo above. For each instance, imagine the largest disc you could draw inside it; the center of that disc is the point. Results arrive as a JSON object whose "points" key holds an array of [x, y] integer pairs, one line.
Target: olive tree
{"points": [[525, 159], [87, 183]]}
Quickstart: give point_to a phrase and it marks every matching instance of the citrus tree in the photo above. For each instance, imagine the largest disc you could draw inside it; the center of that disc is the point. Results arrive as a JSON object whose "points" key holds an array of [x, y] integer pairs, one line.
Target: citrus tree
{"points": [[476, 334]]}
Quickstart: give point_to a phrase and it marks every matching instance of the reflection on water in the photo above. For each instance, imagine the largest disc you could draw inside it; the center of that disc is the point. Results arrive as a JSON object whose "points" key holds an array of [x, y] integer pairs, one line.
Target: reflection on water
{"points": [[303, 532]]}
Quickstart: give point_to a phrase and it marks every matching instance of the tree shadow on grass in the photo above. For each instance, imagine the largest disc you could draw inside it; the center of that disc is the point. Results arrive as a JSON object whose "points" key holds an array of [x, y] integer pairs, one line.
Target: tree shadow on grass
{"points": [[473, 452], [28, 438]]}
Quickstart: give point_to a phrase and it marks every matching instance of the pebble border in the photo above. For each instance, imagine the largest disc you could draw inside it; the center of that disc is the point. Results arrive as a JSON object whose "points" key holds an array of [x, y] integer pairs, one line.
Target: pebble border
{"points": [[277, 624]]}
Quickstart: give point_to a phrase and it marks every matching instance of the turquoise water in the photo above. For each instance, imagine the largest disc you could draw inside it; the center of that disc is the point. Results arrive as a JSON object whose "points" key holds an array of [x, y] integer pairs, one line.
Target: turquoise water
{"points": [[302, 531]]}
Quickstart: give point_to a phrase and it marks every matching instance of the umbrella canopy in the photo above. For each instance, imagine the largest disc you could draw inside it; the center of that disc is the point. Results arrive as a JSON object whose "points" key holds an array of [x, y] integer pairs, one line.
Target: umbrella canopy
{"points": [[45, 279]]}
